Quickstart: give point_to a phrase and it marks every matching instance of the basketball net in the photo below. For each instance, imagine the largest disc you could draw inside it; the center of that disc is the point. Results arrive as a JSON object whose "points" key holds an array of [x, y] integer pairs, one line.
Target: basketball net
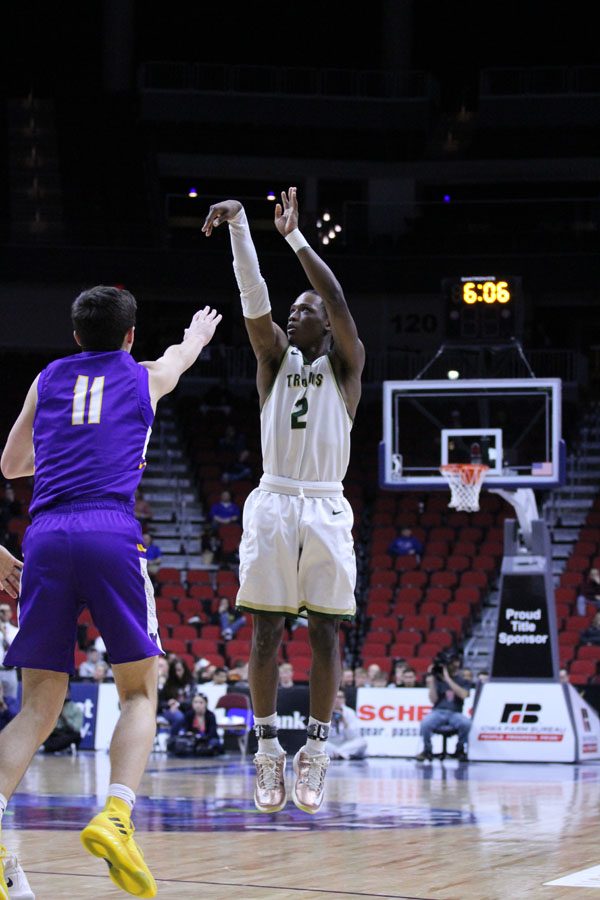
{"points": [[465, 481]]}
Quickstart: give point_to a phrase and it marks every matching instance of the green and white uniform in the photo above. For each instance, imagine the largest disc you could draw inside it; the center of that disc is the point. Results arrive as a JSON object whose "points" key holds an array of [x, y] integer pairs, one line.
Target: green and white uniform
{"points": [[297, 549]]}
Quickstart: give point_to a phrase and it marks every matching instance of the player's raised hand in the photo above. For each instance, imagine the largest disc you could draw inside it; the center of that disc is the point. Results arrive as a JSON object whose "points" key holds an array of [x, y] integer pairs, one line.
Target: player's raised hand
{"points": [[286, 212], [219, 213], [203, 325]]}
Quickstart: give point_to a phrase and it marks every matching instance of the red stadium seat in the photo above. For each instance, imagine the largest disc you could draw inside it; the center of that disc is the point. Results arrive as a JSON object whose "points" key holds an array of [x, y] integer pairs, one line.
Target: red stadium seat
{"points": [[168, 574], [443, 579], [168, 618], [431, 608], [581, 670], [198, 576], [456, 563], [201, 591], [432, 563], [588, 651], [406, 562], [440, 638], [184, 632], [439, 595], [414, 579], [380, 594], [172, 590], [408, 595], [383, 578]]}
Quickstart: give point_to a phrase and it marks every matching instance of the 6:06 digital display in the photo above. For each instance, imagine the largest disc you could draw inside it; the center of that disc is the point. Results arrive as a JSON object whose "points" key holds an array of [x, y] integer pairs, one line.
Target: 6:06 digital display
{"points": [[486, 292]]}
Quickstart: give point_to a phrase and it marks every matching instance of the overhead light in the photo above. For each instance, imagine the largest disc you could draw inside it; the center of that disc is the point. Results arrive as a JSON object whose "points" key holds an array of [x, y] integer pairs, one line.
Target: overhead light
{"points": [[452, 374], [192, 192], [326, 217], [271, 195]]}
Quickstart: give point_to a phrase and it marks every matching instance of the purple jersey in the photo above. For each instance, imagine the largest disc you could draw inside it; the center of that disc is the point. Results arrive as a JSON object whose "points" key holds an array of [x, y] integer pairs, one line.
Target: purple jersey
{"points": [[92, 425]]}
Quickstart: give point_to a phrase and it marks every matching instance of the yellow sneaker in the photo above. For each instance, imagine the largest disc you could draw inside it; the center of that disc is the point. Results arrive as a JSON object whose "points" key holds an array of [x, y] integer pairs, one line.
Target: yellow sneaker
{"points": [[109, 836], [3, 885]]}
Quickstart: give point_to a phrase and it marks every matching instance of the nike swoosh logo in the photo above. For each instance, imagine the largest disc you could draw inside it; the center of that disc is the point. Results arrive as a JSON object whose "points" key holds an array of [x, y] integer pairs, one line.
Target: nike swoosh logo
{"points": [[336, 512]]}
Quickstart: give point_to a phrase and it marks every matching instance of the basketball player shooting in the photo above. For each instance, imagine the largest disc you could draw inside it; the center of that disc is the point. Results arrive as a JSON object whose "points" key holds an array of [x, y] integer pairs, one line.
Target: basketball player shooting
{"points": [[296, 553]]}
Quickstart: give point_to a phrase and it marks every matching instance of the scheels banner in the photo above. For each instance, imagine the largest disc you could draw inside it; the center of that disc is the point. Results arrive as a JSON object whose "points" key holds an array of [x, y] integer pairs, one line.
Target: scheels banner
{"points": [[390, 720]]}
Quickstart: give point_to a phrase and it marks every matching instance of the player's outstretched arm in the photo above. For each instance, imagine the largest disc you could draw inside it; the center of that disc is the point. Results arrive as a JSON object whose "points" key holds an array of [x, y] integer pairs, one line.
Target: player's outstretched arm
{"points": [[347, 345], [164, 373], [10, 573], [267, 339], [18, 456]]}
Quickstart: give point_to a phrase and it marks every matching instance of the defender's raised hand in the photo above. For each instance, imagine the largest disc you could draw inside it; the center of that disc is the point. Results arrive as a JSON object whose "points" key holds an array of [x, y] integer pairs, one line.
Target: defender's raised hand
{"points": [[286, 212], [203, 325], [219, 213]]}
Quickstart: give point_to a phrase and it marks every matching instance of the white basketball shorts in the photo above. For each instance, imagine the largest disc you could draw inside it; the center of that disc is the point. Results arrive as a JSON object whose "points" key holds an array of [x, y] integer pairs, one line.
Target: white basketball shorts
{"points": [[297, 553]]}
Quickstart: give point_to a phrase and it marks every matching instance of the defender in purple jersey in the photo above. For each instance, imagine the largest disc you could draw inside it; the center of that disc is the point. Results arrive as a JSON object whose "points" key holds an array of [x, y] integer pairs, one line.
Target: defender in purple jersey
{"points": [[83, 434]]}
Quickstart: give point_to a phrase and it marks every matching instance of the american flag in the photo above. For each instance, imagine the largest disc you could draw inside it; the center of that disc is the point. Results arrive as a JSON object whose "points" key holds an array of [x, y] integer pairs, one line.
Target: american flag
{"points": [[541, 468]]}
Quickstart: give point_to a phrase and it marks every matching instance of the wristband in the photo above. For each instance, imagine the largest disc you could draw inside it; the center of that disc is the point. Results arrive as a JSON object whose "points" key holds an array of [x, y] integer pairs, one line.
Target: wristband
{"points": [[296, 240]]}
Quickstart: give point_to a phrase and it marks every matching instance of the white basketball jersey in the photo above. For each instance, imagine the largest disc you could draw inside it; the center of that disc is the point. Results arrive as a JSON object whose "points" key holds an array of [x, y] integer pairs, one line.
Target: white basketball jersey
{"points": [[305, 426]]}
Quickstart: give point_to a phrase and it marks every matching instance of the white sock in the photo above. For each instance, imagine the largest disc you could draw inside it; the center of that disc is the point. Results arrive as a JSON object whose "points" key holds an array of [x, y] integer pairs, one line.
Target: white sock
{"points": [[3, 805], [123, 793], [269, 745], [312, 745]]}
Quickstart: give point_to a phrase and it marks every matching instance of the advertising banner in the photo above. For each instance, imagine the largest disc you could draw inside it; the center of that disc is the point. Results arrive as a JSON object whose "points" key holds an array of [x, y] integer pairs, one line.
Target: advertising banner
{"points": [[529, 722], [390, 720]]}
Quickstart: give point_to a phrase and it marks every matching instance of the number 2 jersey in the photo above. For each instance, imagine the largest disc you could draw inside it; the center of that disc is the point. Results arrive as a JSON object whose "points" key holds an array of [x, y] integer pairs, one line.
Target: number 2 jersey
{"points": [[305, 426], [91, 428]]}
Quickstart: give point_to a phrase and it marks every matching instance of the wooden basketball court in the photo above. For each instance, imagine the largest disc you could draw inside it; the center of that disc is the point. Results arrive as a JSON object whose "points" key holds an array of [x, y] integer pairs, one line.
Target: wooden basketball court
{"points": [[389, 828]]}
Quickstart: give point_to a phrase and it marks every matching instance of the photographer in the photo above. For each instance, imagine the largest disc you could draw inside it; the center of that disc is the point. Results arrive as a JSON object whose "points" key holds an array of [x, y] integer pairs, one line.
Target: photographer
{"points": [[447, 692]]}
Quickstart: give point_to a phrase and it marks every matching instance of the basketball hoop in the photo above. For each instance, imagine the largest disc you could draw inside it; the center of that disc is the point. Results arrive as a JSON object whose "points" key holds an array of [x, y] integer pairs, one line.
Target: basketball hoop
{"points": [[465, 480]]}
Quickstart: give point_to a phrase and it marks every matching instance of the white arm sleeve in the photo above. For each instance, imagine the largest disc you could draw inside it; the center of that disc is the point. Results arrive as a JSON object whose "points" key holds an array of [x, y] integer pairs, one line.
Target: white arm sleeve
{"points": [[253, 287]]}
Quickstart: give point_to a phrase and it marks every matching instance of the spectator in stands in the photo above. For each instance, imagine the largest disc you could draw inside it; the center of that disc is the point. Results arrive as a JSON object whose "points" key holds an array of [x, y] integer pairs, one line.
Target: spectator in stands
{"points": [[238, 673], [467, 675], [220, 675], [563, 676], [163, 671], [9, 707], [408, 678], [589, 592], [8, 632], [142, 509], [406, 544], [225, 510], [204, 670], [345, 741], [399, 667], [176, 694], [153, 554], [102, 672], [360, 677], [447, 693], [180, 684], [10, 508], [66, 734], [591, 635], [229, 619], [373, 673], [482, 676], [200, 725], [210, 545], [347, 678], [239, 470], [88, 666], [380, 681], [286, 675]]}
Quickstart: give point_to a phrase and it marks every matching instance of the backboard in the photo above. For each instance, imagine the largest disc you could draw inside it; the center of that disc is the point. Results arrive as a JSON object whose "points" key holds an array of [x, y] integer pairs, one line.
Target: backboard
{"points": [[511, 425]]}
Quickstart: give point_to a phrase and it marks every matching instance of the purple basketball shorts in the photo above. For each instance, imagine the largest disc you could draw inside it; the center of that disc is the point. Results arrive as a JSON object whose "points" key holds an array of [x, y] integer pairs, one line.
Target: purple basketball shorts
{"points": [[77, 555]]}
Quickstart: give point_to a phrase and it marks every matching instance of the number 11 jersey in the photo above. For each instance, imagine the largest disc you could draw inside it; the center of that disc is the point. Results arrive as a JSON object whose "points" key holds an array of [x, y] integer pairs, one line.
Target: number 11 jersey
{"points": [[92, 425]]}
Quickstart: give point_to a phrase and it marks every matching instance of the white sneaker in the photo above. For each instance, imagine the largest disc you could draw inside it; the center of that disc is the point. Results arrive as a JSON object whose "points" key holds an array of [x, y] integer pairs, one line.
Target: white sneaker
{"points": [[16, 879]]}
